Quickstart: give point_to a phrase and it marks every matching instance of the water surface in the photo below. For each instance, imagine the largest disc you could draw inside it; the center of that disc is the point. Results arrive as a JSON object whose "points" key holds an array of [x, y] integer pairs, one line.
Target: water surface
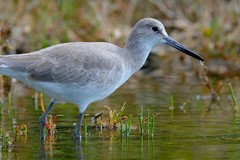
{"points": [[188, 133]]}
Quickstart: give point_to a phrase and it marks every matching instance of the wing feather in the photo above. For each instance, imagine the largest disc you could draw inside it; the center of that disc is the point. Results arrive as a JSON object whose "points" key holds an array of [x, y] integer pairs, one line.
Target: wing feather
{"points": [[65, 63]]}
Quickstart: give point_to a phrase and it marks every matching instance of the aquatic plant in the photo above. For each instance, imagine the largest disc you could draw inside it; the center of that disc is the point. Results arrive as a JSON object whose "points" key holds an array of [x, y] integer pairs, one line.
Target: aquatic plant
{"points": [[85, 129], [121, 129], [128, 126], [8, 141], [214, 90], [140, 121], [148, 121], [42, 103], [182, 107], [9, 102], [153, 124], [50, 120], [235, 106], [114, 116]]}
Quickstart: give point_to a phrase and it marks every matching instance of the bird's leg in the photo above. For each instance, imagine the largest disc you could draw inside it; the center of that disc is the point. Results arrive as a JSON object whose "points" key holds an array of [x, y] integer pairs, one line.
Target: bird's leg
{"points": [[43, 117], [77, 130]]}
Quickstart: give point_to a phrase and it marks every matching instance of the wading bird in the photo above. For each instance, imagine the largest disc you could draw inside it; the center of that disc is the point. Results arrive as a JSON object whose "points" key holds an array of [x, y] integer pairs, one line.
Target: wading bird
{"points": [[85, 72]]}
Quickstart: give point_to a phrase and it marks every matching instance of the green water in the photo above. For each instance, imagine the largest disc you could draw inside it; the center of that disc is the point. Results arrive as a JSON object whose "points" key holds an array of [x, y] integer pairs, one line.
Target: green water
{"points": [[185, 133]]}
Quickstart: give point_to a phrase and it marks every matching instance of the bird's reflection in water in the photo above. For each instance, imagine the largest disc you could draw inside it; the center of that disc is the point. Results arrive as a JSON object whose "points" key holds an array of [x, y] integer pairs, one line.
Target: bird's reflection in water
{"points": [[78, 148], [49, 144]]}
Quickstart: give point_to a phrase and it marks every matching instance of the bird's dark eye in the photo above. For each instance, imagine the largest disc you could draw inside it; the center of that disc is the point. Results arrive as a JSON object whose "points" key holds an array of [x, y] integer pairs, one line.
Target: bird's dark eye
{"points": [[155, 29]]}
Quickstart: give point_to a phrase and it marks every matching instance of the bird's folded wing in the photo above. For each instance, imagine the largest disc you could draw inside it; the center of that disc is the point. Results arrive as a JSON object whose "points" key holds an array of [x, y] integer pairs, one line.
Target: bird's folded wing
{"points": [[62, 64]]}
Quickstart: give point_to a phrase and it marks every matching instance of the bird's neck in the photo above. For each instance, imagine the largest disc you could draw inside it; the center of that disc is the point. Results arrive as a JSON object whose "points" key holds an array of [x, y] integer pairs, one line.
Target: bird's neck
{"points": [[137, 51]]}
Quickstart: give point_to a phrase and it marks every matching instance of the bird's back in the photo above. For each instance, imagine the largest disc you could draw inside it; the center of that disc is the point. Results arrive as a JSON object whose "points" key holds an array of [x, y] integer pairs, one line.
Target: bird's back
{"points": [[93, 66]]}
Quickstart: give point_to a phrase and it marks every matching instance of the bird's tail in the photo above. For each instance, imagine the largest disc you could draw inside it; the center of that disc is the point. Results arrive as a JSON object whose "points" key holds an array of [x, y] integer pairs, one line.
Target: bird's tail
{"points": [[2, 63], [5, 69]]}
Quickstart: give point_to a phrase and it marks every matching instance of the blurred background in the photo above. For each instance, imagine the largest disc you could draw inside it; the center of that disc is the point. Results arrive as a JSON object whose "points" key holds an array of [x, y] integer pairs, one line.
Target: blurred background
{"points": [[208, 27]]}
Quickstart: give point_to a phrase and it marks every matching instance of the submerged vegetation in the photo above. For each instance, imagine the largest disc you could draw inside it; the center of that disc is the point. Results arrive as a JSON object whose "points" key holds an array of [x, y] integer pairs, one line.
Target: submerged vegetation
{"points": [[235, 108], [7, 141], [51, 120], [118, 121]]}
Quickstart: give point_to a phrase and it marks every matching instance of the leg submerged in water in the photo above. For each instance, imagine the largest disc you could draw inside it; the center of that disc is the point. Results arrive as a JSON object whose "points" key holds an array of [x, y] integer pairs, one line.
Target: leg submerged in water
{"points": [[43, 117], [77, 130]]}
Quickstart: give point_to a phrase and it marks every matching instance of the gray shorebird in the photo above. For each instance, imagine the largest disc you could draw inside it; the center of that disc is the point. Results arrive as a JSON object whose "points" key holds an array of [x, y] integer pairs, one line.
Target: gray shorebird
{"points": [[85, 72]]}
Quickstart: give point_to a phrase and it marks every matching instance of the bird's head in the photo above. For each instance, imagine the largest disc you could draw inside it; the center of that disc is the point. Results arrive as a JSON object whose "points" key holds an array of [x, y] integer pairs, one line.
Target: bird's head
{"points": [[151, 32]]}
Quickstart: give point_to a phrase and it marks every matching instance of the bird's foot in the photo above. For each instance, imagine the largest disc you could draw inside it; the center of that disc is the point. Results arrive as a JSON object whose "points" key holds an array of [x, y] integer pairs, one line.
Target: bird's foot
{"points": [[77, 135]]}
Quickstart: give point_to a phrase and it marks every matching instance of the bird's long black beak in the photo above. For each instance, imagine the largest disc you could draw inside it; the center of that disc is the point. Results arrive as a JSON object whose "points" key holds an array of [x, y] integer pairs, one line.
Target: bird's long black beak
{"points": [[171, 42]]}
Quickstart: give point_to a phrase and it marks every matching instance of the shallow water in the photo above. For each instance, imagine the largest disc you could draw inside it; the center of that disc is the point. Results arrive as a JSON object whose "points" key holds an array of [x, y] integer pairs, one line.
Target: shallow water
{"points": [[187, 133]]}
